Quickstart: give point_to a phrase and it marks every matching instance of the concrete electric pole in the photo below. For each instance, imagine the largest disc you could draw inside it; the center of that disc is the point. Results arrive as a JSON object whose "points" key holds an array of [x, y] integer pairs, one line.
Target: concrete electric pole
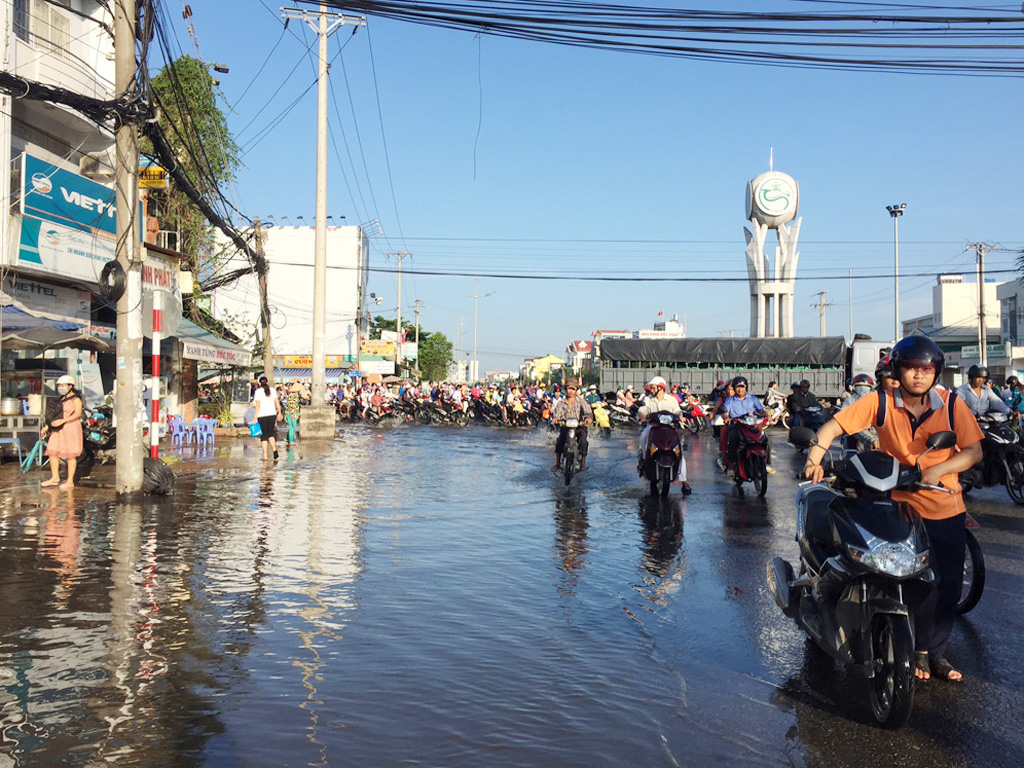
{"points": [[981, 249], [821, 305], [317, 418], [268, 347], [418, 308], [130, 451], [474, 374]]}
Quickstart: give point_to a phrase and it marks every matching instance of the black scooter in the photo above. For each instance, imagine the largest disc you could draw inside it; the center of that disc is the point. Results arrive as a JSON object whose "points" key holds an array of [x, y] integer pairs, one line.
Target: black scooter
{"points": [[1004, 459], [864, 570]]}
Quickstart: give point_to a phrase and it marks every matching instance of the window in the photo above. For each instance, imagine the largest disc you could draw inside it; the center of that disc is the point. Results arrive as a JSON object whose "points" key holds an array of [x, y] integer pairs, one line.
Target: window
{"points": [[21, 19]]}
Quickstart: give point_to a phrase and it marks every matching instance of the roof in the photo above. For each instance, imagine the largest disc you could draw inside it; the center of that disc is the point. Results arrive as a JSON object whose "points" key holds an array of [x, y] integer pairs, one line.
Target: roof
{"points": [[736, 352], [582, 346]]}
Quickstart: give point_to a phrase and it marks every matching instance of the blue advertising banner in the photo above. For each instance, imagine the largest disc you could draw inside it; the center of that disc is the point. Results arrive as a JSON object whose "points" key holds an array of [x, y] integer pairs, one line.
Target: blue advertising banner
{"points": [[63, 197]]}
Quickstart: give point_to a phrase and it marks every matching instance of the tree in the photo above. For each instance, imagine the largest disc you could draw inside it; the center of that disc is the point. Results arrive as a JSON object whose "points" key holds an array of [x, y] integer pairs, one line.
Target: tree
{"points": [[435, 356], [197, 131]]}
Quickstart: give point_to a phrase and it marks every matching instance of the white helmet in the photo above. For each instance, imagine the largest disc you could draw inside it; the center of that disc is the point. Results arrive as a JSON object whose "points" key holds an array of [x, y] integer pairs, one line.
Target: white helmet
{"points": [[657, 381], [65, 379]]}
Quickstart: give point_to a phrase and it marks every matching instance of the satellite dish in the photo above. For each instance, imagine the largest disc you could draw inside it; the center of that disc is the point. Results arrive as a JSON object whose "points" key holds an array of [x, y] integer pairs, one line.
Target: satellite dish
{"points": [[170, 306]]}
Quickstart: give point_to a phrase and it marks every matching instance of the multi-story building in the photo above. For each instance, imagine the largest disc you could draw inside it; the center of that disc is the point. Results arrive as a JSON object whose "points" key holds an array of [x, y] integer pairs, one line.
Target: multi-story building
{"points": [[290, 253]]}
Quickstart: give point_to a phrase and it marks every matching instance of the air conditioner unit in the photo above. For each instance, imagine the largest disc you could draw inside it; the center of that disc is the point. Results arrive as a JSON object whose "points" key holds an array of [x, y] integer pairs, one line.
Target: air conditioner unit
{"points": [[98, 166]]}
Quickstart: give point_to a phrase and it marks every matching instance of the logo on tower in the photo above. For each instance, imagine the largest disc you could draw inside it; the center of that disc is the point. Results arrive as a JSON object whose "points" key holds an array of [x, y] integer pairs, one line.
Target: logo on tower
{"points": [[775, 196]]}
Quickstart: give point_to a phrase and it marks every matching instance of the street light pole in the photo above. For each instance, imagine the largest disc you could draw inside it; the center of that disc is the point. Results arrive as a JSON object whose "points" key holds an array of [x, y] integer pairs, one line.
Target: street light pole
{"points": [[895, 211], [475, 373]]}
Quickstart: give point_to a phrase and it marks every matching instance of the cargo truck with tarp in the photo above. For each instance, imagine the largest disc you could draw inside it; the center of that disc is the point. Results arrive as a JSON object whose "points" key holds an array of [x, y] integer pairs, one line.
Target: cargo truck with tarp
{"points": [[826, 362]]}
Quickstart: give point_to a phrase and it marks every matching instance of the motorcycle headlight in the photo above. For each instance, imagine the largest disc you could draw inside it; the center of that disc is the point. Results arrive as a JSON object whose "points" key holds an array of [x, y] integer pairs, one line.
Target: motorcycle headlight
{"points": [[893, 558]]}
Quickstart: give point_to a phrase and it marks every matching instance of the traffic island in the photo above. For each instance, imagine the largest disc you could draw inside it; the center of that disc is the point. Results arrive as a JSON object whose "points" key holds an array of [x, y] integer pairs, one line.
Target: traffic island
{"points": [[317, 422]]}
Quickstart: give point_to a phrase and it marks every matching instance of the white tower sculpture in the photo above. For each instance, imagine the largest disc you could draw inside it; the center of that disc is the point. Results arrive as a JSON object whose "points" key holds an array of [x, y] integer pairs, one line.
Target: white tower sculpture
{"points": [[772, 200]]}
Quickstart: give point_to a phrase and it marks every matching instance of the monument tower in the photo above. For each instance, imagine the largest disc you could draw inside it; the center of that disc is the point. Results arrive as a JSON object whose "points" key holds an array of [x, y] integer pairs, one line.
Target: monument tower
{"points": [[772, 201]]}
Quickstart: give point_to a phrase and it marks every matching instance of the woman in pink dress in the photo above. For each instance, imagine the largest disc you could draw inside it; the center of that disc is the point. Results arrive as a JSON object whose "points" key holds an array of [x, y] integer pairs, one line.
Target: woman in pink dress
{"points": [[64, 434]]}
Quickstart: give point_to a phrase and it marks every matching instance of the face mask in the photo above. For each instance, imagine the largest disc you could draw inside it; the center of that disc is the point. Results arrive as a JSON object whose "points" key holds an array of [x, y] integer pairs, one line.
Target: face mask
{"points": [[861, 389], [63, 390]]}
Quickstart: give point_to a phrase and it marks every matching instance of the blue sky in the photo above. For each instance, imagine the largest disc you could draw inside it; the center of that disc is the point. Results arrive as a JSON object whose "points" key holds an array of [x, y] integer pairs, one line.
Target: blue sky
{"points": [[529, 158]]}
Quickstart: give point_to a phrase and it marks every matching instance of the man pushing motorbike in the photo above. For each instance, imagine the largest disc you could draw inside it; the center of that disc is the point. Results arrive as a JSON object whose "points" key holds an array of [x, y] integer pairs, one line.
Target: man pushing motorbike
{"points": [[905, 418], [572, 407]]}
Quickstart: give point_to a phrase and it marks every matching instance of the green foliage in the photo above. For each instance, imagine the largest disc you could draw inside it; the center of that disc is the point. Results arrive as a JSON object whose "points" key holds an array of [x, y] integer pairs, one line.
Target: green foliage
{"points": [[435, 356], [198, 133]]}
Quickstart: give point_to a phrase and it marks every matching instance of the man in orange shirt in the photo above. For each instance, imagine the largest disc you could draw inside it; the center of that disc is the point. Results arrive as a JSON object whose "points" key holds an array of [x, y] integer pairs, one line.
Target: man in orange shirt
{"points": [[905, 418]]}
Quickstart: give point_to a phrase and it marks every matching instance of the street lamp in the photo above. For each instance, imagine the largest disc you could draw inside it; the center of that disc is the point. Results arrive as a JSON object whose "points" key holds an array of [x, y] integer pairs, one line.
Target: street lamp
{"points": [[896, 211]]}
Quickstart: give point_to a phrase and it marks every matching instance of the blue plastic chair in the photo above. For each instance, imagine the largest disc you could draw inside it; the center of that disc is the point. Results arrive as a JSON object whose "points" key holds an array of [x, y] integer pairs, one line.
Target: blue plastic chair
{"points": [[12, 441]]}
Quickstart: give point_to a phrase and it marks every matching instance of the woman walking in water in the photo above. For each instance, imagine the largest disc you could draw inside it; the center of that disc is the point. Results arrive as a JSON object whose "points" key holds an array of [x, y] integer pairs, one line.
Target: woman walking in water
{"points": [[64, 433], [268, 413]]}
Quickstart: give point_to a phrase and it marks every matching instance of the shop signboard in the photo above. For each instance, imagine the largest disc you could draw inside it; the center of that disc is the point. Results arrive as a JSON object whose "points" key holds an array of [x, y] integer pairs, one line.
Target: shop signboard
{"points": [[68, 222], [306, 361], [206, 353], [377, 347], [386, 367], [47, 299]]}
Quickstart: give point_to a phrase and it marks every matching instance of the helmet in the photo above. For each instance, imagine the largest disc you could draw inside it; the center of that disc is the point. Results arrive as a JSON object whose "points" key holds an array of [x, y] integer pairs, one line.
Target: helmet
{"points": [[657, 381], [739, 381], [805, 383], [65, 379], [862, 378], [884, 368], [917, 349], [592, 387], [977, 370], [1012, 381], [795, 385]]}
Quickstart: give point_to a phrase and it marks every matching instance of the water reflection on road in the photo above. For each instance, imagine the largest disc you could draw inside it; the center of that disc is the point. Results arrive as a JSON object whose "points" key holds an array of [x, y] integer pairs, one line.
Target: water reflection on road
{"points": [[439, 597]]}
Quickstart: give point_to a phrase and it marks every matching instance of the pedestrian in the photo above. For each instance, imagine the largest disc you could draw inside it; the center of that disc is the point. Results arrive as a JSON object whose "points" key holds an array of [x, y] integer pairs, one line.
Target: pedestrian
{"points": [[268, 413], [292, 407], [63, 432]]}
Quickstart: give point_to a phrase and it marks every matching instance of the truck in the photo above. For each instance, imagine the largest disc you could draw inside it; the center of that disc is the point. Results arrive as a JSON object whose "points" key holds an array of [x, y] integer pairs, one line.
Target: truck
{"points": [[828, 363]]}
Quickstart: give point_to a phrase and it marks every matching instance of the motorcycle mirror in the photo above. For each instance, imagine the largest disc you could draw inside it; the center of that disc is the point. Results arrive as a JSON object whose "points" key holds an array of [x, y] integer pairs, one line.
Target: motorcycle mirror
{"points": [[802, 437], [941, 440]]}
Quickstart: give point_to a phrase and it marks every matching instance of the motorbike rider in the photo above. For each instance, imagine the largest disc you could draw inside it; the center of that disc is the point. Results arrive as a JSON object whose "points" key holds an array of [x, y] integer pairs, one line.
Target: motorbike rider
{"points": [[801, 399], [741, 404], [980, 398], [571, 407], [659, 401], [905, 418], [861, 385], [883, 372]]}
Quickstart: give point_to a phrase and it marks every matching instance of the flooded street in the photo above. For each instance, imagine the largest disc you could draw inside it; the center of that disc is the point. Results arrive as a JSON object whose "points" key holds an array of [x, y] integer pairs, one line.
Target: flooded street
{"points": [[437, 597]]}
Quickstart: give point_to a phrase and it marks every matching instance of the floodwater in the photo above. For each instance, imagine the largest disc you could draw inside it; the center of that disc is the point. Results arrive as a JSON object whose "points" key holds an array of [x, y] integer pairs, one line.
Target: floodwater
{"points": [[437, 597]]}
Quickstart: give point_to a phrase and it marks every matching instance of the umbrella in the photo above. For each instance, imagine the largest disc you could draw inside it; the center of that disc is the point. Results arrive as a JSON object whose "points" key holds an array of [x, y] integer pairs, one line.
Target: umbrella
{"points": [[55, 338]]}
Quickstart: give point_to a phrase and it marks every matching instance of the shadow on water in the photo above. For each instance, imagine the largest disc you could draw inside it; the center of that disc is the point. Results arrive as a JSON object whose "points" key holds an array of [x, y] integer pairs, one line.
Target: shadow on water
{"points": [[662, 520], [571, 544]]}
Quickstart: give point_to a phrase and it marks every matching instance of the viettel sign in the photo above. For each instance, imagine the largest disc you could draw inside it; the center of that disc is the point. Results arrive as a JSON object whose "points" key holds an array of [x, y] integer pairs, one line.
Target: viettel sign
{"points": [[63, 197]]}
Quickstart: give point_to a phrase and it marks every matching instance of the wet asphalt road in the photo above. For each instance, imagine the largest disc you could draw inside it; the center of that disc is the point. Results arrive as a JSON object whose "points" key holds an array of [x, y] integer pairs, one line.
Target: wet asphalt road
{"points": [[432, 596]]}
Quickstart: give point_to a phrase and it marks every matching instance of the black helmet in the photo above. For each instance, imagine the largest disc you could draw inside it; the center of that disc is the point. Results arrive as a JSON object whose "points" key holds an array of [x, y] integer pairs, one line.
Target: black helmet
{"points": [[795, 385], [805, 383], [738, 381], [977, 370], [1012, 381], [918, 349]]}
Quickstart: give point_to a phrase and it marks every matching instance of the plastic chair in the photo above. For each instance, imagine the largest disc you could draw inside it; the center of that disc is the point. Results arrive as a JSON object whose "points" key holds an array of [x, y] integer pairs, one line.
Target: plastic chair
{"points": [[177, 427], [203, 431]]}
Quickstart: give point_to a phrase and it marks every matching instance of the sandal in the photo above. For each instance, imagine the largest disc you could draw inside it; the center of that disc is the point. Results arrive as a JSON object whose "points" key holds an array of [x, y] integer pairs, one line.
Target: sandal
{"points": [[922, 670], [943, 670], [686, 489]]}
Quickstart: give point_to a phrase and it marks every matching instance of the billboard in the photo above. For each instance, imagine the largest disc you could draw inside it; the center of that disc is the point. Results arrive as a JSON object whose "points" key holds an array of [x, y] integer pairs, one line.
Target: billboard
{"points": [[68, 222]]}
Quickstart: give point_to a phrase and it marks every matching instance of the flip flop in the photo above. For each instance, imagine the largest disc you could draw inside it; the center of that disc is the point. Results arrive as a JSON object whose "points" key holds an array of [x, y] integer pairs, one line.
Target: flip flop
{"points": [[921, 664], [49, 483], [942, 669]]}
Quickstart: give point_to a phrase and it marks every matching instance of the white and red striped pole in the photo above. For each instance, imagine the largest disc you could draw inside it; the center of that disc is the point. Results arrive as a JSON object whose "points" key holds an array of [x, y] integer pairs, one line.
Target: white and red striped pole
{"points": [[154, 427]]}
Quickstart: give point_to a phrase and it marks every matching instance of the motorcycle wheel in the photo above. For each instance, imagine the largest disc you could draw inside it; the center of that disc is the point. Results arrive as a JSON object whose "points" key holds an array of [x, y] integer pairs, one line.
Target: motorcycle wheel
{"points": [[437, 418], [665, 478], [693, 425], [1015, 479], [759, 475], [85, 462], [974, 575], [892, 687], [568, 466], [461, 419], [785, 420]]}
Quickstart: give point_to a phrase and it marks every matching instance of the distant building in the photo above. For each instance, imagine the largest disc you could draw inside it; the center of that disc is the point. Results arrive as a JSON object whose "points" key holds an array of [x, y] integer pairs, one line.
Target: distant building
{"points": [[540, 368], [664, 329], [595, 353], [577, 355]]}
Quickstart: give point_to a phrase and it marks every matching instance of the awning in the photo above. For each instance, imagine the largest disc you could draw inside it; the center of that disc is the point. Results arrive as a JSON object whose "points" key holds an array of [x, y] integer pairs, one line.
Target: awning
{"points": [[305, 374], [15, 319], [199, 344]]}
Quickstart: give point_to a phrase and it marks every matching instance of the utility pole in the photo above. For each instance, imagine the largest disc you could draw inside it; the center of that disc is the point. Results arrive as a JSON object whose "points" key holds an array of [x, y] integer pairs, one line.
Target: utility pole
{"points": [[398, 323], [821, 305], [418, 308], [268, 347], [321, 418], [980, 249], [475, 373], [895, 211], [128, 394]]}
